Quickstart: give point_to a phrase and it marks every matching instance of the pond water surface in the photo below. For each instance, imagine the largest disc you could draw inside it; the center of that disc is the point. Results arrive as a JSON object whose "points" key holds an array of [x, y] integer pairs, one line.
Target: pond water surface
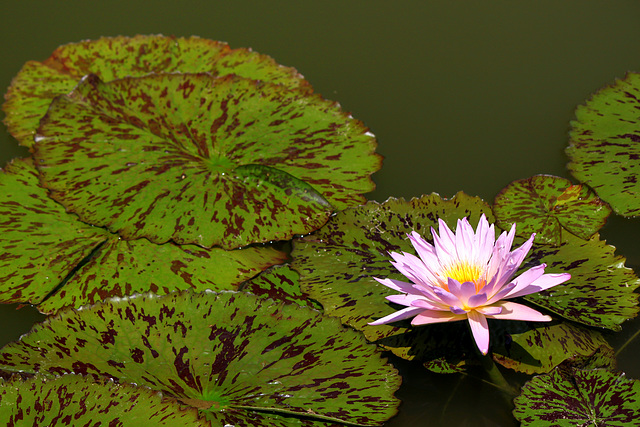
{"points": [[462, 95]]}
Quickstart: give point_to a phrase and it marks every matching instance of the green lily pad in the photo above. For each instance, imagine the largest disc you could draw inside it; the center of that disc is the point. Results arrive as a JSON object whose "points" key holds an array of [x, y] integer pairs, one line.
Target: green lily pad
{"points": [[540, 348], [568, 398], [280, 283], [604, 147], [76, 400], [337, 265], [546, 205], [600, 292], [51, 259], [210, 161], [35, 86], [227, 352]]}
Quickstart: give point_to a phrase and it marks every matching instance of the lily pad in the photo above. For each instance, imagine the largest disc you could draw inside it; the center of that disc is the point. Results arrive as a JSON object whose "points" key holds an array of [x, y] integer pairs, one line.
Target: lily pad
{"points": [[604, 147], [547, 205], [35, 86], [568, 398], [540, 348], [337, 265], [600, 292], [75, 400], [210, 161], [51, 259], [280, 283], [222, 353]]}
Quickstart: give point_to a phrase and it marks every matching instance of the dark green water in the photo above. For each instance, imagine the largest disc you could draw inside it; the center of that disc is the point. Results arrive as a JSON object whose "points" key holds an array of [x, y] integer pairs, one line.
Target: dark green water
{"points": [[462, 95]]}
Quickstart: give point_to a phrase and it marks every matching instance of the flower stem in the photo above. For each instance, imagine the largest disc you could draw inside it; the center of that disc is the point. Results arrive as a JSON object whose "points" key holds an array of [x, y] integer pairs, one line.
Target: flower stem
{"points": [[497, 379]]}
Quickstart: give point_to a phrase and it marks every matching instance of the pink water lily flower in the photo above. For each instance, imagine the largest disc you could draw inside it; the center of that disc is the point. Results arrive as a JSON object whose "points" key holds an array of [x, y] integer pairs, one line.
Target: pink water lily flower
{"points": [[466, 275]]}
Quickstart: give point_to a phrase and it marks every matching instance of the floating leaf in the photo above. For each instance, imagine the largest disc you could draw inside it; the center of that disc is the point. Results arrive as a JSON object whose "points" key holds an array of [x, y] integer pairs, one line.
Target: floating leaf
{"points": [[600, 292], [202, 160], [604, 147], [49, 258], [75, 400], [125, 267], [441, 366], [338, 262], [280, 283], [40, 243], [546, 205], [538, 349], [579, 398], [228, 352], [35, 86]]}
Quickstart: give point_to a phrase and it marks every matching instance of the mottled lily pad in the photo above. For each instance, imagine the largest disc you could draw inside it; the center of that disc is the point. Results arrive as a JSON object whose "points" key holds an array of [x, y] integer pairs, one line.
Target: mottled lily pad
{"points": [[337, 265], [228, 353], [538, 348], [600, 292], [604, 147], [280, 283], [35, 86], [51, 259], [568, 398], [210, 161], [76, 400], [547, 205]]}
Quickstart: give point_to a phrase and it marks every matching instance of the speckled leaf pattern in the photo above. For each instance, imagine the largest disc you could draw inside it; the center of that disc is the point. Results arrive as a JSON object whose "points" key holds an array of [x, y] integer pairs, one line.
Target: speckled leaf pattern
{"points": [[73, 400], [338, 262], [601, 289], [51, 259], [125, 267], [280, 283], [217, 351], [441, 366], [568, 398], [210, 161], [40, 243], [538, 348], [604, 147], [550, 206], [35, 86]]}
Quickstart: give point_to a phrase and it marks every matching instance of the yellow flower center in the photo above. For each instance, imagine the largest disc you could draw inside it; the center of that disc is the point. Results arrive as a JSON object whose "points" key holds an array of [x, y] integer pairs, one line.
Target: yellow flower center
{"points": [[463, 272]]}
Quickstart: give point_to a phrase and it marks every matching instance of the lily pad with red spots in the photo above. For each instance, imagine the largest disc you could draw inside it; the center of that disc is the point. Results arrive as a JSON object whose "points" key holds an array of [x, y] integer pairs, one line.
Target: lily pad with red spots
{"points": [[280, 283], [338, 263], [550, 206], [604, 146], [601, 291], [538, 348], [51, 259], [574, 397], [196, 159], [235, 357], [110, 58], [76, 400]]}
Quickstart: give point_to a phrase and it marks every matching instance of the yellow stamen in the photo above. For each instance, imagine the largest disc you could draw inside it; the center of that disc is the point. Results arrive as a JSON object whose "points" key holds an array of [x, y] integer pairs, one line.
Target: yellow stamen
{"points": [[463, 272]]}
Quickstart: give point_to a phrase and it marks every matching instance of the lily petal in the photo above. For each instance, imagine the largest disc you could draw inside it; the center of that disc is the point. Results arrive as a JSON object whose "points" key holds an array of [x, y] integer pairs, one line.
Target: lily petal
{"points": [[515, 311], [436, 317], [403, 299], [546, 281], [480, 330], [405, 313], [490, 310], [525, 279]]}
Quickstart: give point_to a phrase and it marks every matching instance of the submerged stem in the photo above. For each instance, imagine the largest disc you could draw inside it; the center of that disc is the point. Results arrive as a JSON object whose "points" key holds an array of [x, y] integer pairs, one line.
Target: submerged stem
{"points": [[496, 377], [626, 343]]}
